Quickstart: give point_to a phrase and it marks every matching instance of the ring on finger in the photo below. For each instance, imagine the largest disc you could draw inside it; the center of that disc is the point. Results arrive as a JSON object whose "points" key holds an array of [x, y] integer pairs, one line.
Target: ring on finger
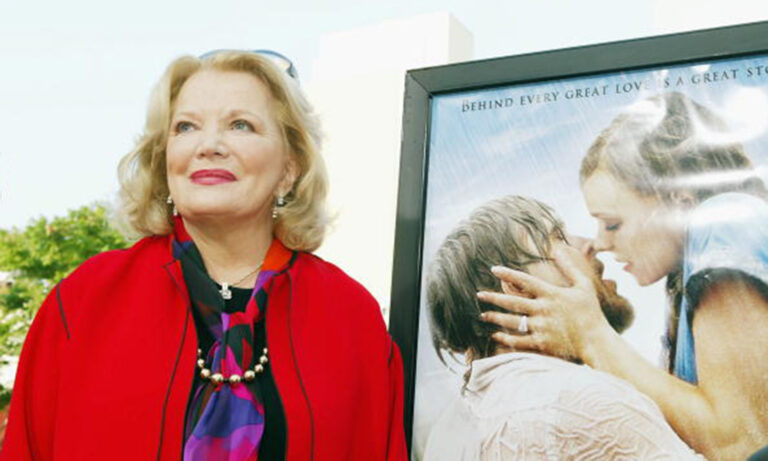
{"points": [[522, 327]]}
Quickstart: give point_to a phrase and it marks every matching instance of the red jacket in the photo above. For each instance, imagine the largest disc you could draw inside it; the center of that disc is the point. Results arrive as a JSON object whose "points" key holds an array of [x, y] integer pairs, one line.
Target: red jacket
{"points": [[108, 364]]}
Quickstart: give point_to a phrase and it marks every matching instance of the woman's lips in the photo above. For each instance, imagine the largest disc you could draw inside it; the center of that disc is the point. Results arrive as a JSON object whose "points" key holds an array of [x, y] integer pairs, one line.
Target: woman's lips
{"points": [[211, 177]]}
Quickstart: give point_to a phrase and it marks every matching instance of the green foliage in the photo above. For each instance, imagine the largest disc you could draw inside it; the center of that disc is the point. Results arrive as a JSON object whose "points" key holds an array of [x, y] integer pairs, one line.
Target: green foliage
{"points": [[5, 397], [42, 254]]}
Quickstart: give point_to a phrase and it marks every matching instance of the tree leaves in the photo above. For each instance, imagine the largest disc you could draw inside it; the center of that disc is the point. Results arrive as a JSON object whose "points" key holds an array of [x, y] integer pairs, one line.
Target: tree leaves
{"points": [[42, 254]]}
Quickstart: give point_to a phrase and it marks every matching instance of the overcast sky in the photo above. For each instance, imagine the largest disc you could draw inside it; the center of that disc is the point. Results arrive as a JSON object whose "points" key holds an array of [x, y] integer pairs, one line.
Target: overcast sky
{"points": [[75, 75]]}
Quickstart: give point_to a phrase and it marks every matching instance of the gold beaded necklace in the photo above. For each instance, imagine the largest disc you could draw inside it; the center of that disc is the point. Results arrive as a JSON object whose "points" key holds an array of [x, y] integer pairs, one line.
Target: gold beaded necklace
{"points": [[218, 378], [248, 375]]}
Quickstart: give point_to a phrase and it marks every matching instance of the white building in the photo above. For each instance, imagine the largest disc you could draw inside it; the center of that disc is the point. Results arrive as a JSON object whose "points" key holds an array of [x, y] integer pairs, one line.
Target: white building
{"points": [[357, 88]]}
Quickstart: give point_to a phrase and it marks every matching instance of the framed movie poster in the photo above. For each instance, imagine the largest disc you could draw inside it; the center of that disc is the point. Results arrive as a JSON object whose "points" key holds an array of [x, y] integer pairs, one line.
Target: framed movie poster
{"points": [[521, 127]]}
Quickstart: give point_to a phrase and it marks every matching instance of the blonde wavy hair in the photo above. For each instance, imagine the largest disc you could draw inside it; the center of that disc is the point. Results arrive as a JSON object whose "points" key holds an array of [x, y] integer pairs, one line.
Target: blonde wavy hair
{"points": [[142, 209]]}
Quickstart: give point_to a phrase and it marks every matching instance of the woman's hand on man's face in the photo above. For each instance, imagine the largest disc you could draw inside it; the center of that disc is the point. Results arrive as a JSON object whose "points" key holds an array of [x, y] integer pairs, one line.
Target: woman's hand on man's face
{"points": [[561, 320]]}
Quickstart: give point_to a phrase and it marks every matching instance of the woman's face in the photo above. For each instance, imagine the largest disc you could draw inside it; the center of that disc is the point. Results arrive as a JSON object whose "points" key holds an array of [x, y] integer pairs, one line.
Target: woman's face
{"points": [[643, 232], [225, 155]]}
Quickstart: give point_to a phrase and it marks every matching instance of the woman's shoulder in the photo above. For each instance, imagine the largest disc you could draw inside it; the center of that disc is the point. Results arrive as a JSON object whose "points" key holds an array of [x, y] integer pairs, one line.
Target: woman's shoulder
{"points": [[323, 274], [108, 263], [727, 232], [729, 220], [324, 282], [111, 275], [729, 207]]}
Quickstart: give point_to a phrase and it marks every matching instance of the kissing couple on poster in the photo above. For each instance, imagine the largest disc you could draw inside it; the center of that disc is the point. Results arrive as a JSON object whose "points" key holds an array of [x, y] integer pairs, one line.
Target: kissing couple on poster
{"points": [[676, 198]]}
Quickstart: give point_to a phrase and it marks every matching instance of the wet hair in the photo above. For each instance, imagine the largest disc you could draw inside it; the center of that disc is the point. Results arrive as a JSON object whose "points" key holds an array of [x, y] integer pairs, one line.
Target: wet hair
{"points": [[512, 231], [670, 146]]}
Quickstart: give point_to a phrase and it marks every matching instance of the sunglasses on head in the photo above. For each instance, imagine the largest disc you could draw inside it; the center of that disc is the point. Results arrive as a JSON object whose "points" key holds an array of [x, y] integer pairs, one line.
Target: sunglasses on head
{"points": [[280, 60]]}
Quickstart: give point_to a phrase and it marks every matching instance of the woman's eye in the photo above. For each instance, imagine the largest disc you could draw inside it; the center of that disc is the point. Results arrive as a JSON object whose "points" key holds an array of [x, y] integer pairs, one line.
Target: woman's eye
{"points": [[612, 227], [183, 127], [242, 125]]}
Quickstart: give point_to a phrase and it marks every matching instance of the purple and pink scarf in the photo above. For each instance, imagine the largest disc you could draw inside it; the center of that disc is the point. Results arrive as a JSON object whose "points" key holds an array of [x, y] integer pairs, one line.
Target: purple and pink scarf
{"points": [[225, 422]]}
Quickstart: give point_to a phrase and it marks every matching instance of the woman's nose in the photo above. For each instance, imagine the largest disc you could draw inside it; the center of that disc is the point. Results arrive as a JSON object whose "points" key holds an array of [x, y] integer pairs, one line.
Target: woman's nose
{"points": [[601, 243], [211, 144]]}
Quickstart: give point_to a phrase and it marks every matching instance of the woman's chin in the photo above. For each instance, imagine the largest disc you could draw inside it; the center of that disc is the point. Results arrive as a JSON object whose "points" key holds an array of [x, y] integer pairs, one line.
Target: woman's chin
{"points": [[645, 280], [224, 214], [642, 282], [210, 213]]}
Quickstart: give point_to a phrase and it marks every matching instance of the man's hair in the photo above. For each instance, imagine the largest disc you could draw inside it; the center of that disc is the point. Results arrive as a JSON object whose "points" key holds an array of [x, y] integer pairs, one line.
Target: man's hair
{"points": [[511, 231]]}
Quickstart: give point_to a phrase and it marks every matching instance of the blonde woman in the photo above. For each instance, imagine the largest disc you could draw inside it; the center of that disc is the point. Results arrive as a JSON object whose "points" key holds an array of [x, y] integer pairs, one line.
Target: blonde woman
{"points": [[218, 335]]}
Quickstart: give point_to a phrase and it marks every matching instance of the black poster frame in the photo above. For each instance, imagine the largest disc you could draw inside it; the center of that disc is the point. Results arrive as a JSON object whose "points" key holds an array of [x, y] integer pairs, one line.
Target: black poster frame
{"points": [[422, 85]]}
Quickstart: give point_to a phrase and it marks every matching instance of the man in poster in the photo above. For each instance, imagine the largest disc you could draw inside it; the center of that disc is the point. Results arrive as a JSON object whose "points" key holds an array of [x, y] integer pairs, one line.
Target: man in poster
{"points": [[523, 405]]}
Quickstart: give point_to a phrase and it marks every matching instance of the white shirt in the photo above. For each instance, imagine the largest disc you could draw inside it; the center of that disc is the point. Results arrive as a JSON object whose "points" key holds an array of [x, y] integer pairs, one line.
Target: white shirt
{"points": [[521, 406]]}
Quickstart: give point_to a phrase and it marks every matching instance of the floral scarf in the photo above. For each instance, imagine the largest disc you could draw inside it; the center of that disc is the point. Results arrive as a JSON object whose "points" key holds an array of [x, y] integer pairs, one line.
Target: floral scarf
{"points": [[225, 422]]}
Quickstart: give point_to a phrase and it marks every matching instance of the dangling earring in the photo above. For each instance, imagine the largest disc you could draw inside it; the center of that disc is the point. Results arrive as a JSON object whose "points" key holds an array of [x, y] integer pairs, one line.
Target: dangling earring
{"points": [[169, 201], [279, 203]]}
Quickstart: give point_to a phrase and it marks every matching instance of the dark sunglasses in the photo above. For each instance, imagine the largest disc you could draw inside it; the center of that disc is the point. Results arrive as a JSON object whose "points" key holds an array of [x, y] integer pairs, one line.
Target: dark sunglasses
{"points": [[280, 60]]}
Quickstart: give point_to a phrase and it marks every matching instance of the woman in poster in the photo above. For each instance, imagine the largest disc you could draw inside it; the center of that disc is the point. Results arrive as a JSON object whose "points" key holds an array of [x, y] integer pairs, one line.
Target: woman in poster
{"points": [[675, 197]]}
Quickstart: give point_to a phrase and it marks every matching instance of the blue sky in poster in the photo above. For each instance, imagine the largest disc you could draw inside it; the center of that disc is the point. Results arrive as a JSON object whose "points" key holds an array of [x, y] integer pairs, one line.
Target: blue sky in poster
{"points": [[534, 145]]}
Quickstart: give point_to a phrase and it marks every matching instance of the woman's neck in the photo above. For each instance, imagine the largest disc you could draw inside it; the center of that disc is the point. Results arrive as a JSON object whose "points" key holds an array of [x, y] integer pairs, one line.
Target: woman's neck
{"points": [[231, 252]]}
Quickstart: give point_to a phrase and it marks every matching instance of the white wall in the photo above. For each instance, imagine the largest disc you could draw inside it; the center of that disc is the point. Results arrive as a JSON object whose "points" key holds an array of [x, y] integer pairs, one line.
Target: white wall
{"points": [[357, 88]]}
